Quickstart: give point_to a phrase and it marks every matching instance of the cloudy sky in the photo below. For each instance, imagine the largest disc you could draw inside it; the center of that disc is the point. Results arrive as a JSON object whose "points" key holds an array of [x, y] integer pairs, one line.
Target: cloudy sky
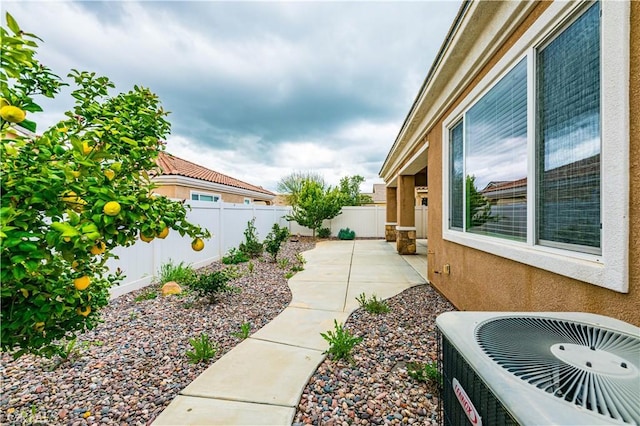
{"points": [[256, 90]]}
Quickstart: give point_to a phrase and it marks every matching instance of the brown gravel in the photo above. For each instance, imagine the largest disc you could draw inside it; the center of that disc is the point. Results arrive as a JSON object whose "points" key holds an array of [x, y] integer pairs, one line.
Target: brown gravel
{"points": [[134, 364], [375, 388]]}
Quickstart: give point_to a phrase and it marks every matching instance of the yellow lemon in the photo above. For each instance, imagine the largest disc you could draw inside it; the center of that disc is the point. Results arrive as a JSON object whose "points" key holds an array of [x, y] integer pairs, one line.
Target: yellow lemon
{"points": [[84, 312], [110, 174], [81, 283], [145, 238], [163, 234], [112, 208], [25, 292], [12, 114], [98, 248], [39, 326], [197, 244]]}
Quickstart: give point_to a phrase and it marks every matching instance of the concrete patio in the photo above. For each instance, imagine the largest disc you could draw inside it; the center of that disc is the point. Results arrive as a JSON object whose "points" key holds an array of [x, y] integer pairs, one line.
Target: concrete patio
{"points": [[259, 382]]}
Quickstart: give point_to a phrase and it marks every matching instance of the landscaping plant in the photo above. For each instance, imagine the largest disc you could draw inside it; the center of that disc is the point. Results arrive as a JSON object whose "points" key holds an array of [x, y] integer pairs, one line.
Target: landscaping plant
{"points": [[314, 205], [234, 256], [149, 293], [341, 342], [203, 349], [324, 233], [209, 284], [373, 305], [251, 246], [180, 273], [245, 331], [275, 238], [70, 195]]}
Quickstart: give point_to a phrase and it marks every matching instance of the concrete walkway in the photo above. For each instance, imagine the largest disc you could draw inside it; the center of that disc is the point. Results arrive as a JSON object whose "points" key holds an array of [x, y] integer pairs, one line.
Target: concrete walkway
{"points": [[260, 381]]}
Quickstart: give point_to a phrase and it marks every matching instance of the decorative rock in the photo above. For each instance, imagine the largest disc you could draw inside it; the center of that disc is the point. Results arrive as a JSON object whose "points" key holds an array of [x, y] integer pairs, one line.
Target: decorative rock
{"points": [[171, 287]]}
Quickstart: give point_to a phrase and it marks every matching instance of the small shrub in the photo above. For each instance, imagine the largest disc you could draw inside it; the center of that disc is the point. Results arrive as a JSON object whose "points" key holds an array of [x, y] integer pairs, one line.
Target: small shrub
{"points": [[148, 293], [283, 263], [209, 284], [300, 258], [297, 268], [245, 330], [251, 246], [180, 273], [424, 372], [203, 349], [232, 272], [346, 234], [274, 240], [324, 233], [251, 267], [289, 274], [373, 305], [341, 342], [234, 256]]}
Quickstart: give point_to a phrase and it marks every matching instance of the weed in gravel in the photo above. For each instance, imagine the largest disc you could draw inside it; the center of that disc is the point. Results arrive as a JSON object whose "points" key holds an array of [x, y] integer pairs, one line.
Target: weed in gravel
{"points": [[245, 330], [297, 268], [424, 372], [251, 267], [341, 342], [300, 258], [289, 274], [373, 305], [181, 273], [147, 294], [234, 256], [203, 349]]}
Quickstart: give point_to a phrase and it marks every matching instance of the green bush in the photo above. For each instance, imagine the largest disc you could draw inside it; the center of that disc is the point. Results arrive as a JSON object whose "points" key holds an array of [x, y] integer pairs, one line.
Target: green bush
{"points": [[324, 233], [341, 342], [346, 234], [180, 273], [234, 256], [373, 305], [274, 240], [151, 292], [203, 349], [209, 284], [251, 246]]}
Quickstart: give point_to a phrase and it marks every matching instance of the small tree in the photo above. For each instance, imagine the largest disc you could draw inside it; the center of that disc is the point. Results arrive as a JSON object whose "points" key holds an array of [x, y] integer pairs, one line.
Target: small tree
{"points": [[251, 246], [315, 204], [274, 240], [292, 184], [350, 191], [70, 196], [478, 206]]}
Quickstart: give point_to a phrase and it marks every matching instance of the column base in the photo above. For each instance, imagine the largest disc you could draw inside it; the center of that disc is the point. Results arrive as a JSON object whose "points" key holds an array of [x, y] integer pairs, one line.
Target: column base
{"points": [[406, 240], [390, 232]]}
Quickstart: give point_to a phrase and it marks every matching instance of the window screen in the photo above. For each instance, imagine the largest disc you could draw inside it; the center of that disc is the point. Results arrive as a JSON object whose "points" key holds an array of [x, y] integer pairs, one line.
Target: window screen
{"points": [[568, 133], [496, 159]]}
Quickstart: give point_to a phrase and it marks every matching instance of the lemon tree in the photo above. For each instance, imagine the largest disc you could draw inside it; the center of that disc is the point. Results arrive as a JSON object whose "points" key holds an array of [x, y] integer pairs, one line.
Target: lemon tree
{"points": [[70, 194]]}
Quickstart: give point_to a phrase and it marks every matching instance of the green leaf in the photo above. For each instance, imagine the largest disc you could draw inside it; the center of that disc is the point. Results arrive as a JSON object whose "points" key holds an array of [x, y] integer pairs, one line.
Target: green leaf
{"points": [[12, 24], [128, 141], [29, 125]]}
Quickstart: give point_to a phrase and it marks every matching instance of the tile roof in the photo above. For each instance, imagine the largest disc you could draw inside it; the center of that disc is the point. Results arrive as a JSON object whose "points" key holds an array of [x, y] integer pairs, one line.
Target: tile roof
{"points": [[172, 165]]}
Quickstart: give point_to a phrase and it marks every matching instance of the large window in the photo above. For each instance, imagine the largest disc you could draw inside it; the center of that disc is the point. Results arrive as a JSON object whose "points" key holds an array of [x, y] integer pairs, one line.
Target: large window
{"points": [[201, 196], [489, 147], [536, 154]]}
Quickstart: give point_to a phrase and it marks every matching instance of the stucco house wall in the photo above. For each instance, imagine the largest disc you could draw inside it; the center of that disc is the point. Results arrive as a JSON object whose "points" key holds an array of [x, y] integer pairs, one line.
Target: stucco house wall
{"points": [[480, 280]]}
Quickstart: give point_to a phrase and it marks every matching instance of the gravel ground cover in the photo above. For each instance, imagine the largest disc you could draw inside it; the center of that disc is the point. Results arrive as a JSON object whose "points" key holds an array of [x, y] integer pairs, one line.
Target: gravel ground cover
{"points": [[132, 366], [375, 388]]}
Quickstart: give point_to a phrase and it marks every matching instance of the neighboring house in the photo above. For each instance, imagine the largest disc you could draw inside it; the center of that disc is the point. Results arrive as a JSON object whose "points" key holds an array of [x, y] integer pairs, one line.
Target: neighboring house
{"points": [[378, 196], [189, 181], [525, 126]]}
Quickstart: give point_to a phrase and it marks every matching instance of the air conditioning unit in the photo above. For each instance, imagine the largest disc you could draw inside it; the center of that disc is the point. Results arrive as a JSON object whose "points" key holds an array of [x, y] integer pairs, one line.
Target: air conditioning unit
{"points": [[551, 368]]}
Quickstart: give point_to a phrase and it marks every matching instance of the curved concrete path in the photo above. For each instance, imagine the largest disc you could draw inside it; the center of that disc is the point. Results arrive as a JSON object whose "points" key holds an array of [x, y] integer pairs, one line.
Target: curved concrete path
{"points": [[260, 381]]}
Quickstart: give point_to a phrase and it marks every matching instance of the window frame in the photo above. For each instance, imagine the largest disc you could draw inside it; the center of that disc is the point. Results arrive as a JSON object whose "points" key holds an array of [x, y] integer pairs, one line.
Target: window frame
{"points": [[211, 194], [609, 269]]}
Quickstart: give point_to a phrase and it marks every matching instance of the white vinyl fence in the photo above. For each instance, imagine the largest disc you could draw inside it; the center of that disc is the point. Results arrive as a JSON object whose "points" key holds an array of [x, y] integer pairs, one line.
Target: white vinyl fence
{"points": [[227, 223]]}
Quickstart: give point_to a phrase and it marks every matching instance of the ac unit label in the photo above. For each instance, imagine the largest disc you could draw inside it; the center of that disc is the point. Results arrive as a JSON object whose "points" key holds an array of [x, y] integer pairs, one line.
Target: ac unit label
{"points": [[465, 401]]}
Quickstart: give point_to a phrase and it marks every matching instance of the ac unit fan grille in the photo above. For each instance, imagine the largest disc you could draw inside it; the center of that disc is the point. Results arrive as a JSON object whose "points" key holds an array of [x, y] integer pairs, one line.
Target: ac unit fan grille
{"points": [[594, 368]]}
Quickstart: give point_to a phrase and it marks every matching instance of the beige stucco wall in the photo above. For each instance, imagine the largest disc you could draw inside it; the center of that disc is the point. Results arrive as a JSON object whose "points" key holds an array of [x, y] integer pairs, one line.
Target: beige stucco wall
{"points": [[184, 192], [482, 281]]}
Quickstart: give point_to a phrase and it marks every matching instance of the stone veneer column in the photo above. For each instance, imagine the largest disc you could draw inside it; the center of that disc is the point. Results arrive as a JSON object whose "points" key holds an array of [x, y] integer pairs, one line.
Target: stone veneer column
{"points": [[392, 214], [406, 228]]}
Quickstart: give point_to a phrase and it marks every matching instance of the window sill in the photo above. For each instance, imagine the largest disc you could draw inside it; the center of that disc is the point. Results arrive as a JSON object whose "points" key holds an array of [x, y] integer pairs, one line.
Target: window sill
{"points": [[588, 268]]}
